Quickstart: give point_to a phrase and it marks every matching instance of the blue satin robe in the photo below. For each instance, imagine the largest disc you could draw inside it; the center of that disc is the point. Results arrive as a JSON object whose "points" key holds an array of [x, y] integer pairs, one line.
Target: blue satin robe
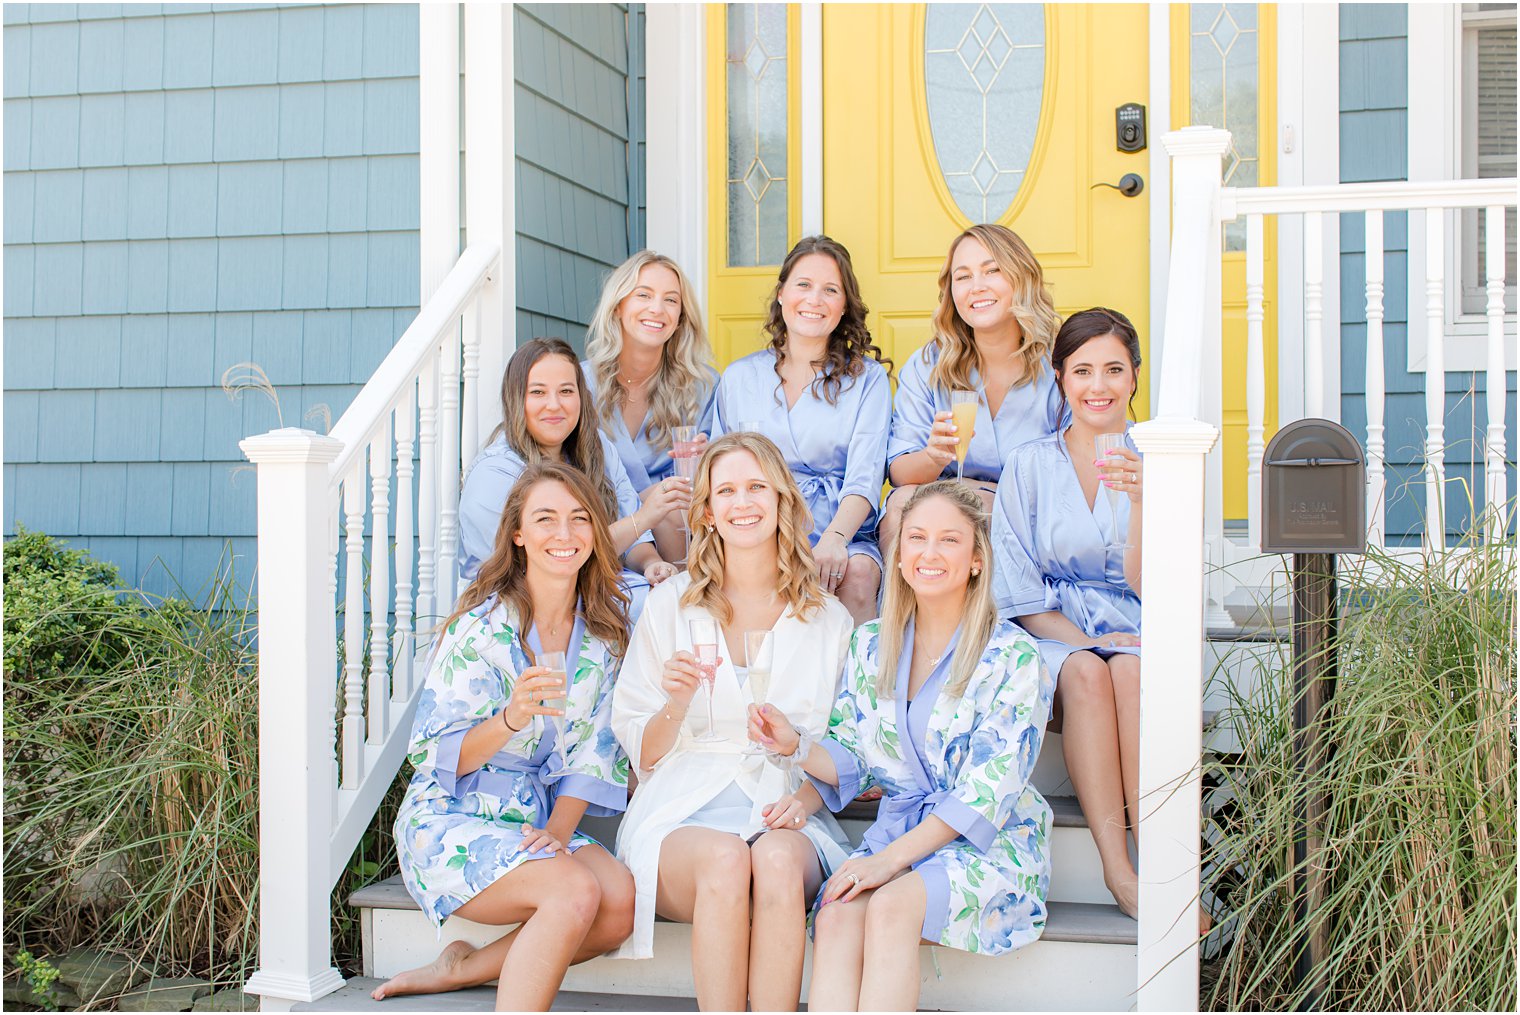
{"points": [[1050, 550], [833, 450], [1027, 412], [645, 463]]}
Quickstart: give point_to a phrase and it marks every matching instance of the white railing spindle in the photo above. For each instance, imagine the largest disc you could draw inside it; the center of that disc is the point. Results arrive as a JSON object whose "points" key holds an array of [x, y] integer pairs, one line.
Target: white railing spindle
{"points": [[404, 637], [1496, 494], [1377, 479], [380, 583], [1435, 378], [427, 492], [353, 628], [449, 469], [1256, 373], [1314, 313], [469, 421]]}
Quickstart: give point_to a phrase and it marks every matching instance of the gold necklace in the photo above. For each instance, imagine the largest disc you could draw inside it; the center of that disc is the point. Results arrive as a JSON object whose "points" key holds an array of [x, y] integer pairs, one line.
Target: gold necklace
{"points": [[629, 383]]}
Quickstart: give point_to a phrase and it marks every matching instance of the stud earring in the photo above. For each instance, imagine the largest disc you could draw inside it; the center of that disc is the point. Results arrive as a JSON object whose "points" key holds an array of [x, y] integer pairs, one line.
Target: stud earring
{"points": [[976, 572]]}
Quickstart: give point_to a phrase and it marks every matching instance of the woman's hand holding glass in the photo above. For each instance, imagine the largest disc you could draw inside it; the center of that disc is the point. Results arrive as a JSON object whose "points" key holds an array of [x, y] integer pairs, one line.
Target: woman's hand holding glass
{"points": [[942, 441], [671, 494], [1120, 470], [534, 686], [769, 727], [680, 679]]}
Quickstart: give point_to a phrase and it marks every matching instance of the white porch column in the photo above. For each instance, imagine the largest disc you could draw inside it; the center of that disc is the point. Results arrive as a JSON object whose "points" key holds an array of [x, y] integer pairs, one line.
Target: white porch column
{"points": [[490, 152], [675, 88], [1171, 709], [297, 667]]}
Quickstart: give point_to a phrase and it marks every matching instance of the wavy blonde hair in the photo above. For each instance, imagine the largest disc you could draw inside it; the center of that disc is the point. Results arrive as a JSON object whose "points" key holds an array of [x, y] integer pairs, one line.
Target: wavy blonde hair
{"points": [[797, 574], [899, 605], [686, 373], [603, 600], [1032, 308]]}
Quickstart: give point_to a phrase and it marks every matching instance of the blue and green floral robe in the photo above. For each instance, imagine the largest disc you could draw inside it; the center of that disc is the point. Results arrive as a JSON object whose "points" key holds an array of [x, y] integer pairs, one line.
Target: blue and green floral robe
{"points": [[457, 834], [965, 760]]}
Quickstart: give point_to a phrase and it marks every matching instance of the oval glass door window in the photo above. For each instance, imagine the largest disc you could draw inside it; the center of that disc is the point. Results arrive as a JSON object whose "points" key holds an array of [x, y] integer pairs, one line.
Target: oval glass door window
{"points": [[984, 75]]}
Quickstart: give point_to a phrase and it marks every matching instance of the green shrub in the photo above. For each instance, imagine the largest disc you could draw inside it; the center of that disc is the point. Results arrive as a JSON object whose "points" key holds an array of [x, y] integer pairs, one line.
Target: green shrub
{"points": [[131, 764], [1420, 907]]}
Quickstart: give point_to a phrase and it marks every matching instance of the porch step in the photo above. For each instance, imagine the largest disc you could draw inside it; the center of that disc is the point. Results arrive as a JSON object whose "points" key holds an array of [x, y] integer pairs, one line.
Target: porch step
{"points": [[355, 996], [1086, 960]]}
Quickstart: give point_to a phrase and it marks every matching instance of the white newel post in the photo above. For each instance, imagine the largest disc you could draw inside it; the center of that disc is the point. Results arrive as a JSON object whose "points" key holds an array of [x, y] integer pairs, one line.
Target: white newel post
{"points": [[1176, 445], [297, 669]]}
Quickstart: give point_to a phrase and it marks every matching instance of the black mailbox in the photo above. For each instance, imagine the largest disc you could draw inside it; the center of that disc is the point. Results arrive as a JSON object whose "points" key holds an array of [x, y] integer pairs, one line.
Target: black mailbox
{"points": [[1314, 490]]}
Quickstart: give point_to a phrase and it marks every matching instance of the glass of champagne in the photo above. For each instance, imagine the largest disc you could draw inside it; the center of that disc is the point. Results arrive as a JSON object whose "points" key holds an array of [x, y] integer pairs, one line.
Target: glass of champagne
{"points": [[963, 415], [1104, 443], [685, 454], [704, 642], [759, 649], [746, 426], [554, 662]]}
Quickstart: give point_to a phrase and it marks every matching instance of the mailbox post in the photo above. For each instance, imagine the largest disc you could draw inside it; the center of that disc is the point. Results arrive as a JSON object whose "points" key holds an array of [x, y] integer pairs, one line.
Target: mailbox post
{"points": [[1314, 494]]}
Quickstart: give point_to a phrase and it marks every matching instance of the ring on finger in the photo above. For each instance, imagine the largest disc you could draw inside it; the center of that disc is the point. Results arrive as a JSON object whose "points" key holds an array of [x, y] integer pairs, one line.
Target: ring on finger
{"points": [[854, 878]]}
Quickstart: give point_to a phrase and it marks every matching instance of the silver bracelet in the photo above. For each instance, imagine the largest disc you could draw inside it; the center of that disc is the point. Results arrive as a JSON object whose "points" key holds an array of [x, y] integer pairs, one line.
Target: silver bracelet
{"points": [[793, 761]]}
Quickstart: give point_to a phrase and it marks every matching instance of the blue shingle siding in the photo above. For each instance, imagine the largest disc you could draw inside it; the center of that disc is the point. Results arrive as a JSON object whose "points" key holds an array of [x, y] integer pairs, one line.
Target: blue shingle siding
{"points": [[188, 187], [578, 133], [1374, 140]]}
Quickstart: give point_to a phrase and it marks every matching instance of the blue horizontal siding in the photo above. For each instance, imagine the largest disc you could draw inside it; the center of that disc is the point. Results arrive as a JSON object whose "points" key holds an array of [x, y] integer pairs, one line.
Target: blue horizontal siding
{"points": [[1374, 97], [189, 187]]}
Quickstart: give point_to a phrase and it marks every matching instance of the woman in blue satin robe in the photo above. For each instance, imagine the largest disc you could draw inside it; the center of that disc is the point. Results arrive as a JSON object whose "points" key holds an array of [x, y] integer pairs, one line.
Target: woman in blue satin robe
{"points": [[1061, 574], [546, 416], [992, 336], [648, 370], [822, 393]]}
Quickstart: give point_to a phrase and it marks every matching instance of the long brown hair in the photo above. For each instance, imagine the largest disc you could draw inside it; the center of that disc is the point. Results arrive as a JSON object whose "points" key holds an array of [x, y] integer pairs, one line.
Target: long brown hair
{"points": [[1032, 308], [796, 573], [684, 378], [603, 600], [583, 448], [899, 605], [851, 341]]}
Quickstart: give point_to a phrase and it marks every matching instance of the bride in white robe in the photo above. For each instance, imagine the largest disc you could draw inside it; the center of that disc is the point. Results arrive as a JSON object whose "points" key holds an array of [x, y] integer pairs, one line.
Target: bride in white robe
{"points": [[715, 837]]}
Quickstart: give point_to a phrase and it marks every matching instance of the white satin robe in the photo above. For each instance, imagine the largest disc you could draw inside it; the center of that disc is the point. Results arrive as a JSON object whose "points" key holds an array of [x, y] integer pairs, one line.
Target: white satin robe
{"points": [[809, 660]]}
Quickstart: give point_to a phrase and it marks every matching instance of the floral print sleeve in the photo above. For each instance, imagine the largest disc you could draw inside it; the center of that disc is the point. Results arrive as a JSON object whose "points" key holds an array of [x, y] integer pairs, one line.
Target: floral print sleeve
{"points": [[596, 769], [843, 738], [997, 758]]}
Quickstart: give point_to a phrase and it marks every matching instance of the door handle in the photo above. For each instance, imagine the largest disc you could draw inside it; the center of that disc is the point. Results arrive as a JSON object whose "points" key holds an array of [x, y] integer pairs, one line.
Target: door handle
{"points": [[1130, 185]]}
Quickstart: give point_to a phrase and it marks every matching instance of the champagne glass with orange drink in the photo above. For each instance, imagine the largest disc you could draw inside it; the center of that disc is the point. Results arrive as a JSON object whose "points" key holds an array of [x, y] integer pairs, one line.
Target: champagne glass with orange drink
{"points": [[963, 415]]}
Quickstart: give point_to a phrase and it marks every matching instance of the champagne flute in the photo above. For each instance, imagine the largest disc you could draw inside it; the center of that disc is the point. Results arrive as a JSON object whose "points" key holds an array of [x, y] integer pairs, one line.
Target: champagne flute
{"points": [[759, 650], [704, 642], [963, 415], [1104, 443], [684, 453], [554, 662], [746, 426]]}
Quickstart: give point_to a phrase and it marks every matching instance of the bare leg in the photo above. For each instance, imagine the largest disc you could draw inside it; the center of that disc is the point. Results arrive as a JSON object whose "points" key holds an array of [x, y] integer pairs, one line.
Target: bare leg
{"points": [[614, 918], [1090, 736], [839, 947], [785, 876], [704, 880], [857, 590], [1124, 670], [894, 927], [555, 901]]}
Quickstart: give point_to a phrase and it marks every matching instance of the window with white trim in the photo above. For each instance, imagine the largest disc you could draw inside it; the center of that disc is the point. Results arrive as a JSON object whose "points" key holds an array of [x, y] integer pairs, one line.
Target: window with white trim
{"points": [[1488, 138]]}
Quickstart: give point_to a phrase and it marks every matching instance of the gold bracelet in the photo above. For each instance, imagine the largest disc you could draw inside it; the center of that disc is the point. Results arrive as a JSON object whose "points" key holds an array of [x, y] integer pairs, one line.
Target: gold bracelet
{"points": [[675, 718]]}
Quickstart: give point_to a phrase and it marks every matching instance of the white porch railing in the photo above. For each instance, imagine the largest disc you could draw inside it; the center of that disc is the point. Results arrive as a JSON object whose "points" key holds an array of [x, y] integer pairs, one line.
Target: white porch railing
{"points": [[1190, 532], [417, 417]]}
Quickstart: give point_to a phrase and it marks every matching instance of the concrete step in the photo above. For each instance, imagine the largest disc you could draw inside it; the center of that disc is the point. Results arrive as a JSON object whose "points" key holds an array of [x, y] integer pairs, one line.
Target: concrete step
{"points": [[1086, 960]]}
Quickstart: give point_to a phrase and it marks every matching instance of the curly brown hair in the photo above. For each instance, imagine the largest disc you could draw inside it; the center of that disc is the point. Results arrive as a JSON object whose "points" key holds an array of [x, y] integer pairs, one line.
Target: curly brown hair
{"points": [[603, 600], [851, 341], [797, 575]]}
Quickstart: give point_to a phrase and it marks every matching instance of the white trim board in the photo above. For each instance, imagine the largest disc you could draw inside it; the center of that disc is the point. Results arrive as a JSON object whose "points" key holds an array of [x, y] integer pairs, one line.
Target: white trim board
{"points": [[675, 135], [1435, 140]]}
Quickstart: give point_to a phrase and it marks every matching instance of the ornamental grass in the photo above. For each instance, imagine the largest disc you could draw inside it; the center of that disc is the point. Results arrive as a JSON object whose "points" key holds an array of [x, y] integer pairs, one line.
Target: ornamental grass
{"points": [[1420, 851]]}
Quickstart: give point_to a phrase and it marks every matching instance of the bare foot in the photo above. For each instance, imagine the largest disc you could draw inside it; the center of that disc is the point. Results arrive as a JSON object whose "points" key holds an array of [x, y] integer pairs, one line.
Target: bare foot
{"points": [[1205, 923], [1127, 894], [434, 978]]}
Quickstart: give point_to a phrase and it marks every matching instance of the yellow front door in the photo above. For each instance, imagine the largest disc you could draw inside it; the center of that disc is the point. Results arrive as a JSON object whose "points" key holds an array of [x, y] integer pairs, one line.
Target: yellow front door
{"points": [[936, 117]]}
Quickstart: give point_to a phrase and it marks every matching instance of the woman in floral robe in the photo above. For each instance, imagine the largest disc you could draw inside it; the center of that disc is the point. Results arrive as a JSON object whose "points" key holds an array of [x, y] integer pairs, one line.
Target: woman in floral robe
{"points": [[948, 720], [495, 789]]}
